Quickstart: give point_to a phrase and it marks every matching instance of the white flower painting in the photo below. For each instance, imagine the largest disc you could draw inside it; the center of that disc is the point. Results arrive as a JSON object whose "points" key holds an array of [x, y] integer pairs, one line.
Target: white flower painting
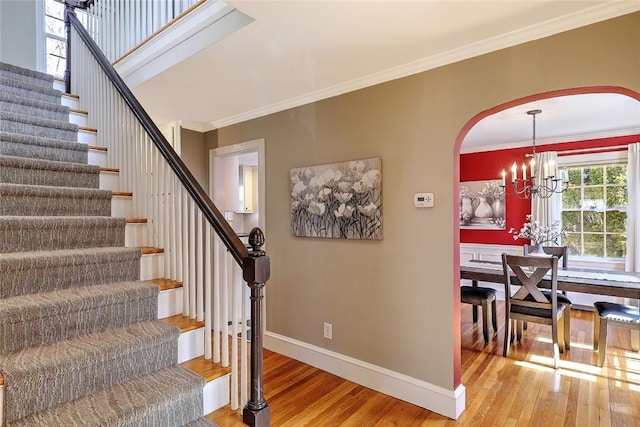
{"points": [[339, 200]]}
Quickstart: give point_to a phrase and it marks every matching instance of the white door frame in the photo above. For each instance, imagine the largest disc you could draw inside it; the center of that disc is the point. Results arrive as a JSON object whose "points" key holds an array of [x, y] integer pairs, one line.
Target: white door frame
{"points": [[254, 146]]}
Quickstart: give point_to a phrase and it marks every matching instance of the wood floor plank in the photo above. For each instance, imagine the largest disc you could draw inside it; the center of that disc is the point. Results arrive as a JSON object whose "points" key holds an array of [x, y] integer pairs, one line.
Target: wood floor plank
{"points": [[521, 390]]}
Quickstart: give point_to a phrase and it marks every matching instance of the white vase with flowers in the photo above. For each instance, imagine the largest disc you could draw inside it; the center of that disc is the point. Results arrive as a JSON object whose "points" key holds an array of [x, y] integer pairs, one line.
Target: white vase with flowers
{"points": [[539, 235]]}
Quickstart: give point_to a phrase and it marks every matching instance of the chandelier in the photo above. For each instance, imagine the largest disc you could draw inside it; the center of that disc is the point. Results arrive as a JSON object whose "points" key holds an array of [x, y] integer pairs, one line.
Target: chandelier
{"points": [[553, 181]]}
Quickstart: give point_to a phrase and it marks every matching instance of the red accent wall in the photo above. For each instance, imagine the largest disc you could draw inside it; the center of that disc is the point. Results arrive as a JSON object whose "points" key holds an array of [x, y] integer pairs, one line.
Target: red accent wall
{"points": [[489, 165]]}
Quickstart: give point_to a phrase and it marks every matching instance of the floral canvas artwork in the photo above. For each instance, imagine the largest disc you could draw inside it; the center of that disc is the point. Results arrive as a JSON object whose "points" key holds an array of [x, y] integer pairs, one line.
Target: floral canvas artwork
{"points": [[338, 200], [482, 205]]}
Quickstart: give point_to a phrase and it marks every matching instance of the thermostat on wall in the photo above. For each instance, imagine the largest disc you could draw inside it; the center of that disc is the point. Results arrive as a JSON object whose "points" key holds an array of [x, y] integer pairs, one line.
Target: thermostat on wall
{"points": [[423, 200]]}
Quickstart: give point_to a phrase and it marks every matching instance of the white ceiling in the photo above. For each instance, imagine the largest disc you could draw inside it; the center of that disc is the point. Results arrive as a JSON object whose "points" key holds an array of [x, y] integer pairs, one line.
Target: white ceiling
{"points": [[299, 51]]}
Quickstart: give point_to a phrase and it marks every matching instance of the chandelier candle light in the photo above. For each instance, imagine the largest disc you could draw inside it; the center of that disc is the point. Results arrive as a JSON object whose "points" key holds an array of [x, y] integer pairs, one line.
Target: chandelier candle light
{"points": [[553, 181]]}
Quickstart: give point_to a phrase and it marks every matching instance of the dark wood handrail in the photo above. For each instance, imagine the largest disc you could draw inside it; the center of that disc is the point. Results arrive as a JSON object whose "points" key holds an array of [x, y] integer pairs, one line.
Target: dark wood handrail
{"points": [[229, 237]]}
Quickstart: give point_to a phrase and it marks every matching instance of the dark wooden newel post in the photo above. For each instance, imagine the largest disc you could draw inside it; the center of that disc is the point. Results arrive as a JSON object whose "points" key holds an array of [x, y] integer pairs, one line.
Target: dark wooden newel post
{"points": [[256, 271]]}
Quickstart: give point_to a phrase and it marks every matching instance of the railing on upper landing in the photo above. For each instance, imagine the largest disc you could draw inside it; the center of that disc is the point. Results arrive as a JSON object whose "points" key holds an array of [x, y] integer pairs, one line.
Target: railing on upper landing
{"points": [[181, 218], [121, 26]]}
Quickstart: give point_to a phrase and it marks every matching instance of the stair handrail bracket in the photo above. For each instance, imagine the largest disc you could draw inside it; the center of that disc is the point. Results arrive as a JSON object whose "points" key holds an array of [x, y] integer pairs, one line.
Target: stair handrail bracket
{"points": [[172, 199], [256, 271]]}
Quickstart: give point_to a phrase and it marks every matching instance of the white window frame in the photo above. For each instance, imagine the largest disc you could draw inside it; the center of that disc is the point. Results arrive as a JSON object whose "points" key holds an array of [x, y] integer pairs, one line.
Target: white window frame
{"points": [[586, 159]]}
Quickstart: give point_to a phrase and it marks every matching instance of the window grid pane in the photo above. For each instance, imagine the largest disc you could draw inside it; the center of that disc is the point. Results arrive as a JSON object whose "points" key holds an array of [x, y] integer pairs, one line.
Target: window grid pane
{"points": [[594, 210]]}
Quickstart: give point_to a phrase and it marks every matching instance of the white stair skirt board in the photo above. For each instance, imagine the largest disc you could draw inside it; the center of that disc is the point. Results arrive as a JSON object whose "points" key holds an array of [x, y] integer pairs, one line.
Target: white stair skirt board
{"points": [[135, 235], [79, 119], [69, 101], [449, 403], [87, 137], [190, 345], [170, 303], [216, 393], [151, 266], [110, 181], [122, 206], [97, 157]]}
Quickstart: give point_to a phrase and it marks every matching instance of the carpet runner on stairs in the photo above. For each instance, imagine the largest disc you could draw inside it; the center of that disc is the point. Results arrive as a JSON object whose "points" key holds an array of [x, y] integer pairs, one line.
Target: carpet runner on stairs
{"points": [[80, 342]]}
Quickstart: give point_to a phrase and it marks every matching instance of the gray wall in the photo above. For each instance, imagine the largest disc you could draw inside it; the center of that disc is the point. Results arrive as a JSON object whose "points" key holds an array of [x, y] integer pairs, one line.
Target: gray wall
{"points": [[394, 303], [21, 29], [192, 154]]}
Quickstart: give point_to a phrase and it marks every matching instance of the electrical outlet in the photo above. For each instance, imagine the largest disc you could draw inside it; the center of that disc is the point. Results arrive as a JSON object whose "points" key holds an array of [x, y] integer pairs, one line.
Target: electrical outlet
{"points": [[328, 330]]}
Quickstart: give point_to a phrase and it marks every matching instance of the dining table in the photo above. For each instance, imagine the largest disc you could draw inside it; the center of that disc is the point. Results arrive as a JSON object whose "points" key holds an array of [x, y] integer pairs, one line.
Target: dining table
{"points": [[588, 281]]}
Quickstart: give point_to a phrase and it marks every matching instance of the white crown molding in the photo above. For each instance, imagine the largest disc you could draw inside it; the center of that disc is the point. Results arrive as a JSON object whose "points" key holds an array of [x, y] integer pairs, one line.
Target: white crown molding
{"points": [[449, 403], [548, 141], [198, 127], [588, 16]]}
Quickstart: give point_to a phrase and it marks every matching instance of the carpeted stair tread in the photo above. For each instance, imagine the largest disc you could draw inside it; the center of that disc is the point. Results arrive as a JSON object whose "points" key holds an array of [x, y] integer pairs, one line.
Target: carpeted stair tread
{"points": [[169, 397], [33, 107], [80, 343], [70, 369], [45, 233], [47, 317], [36, 126], [17, 145], [12, 86], [22, 170], [32, 200], [24, 74], [32, 272]]}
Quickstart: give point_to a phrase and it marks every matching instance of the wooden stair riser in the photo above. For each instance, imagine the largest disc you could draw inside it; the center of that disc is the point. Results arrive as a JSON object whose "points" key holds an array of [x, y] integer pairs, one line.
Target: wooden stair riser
{"points": [[151, 266], [87, 137], [78, 118], [190, 345], [59, 84], [70, 101], [122, 206], [110, 181], [97, 157], [136, 235], [170, 303]]}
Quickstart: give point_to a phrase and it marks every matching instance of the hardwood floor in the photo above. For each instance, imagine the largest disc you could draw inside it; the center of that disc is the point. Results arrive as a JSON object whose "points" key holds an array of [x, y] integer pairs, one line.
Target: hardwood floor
{"points": [[522, 390]]}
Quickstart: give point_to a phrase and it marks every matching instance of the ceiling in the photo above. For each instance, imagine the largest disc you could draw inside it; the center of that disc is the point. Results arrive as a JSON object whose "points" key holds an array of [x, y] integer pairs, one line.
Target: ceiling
{"points": [[299, 51]]}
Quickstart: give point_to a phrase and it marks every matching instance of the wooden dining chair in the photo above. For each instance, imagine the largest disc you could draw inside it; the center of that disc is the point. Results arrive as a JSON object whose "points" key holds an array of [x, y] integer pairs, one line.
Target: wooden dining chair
{"points": [[528, 303], [621, 315], [562, 252], [481, 296]]}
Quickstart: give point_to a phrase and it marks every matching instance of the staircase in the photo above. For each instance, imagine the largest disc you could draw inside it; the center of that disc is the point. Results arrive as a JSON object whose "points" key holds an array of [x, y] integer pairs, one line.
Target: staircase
{"points": [[80, 339]]}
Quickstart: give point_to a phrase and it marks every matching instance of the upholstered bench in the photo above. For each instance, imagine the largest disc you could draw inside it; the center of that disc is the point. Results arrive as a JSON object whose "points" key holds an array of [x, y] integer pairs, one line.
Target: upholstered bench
{"points": [[625, 316], [478, 295]]}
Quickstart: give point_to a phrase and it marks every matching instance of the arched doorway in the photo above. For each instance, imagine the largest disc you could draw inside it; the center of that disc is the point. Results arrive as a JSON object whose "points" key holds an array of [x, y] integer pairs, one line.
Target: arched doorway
{"points": [[604, 134]]}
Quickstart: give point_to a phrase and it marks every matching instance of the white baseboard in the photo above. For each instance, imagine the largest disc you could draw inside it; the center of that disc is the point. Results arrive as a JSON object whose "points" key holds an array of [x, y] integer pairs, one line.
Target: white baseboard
{"points": [[449, 403]]}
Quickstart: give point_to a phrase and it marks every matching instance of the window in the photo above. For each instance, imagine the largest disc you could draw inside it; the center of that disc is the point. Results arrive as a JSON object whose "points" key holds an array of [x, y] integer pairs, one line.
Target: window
{"points": [[594, 209], [55, 34]]}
